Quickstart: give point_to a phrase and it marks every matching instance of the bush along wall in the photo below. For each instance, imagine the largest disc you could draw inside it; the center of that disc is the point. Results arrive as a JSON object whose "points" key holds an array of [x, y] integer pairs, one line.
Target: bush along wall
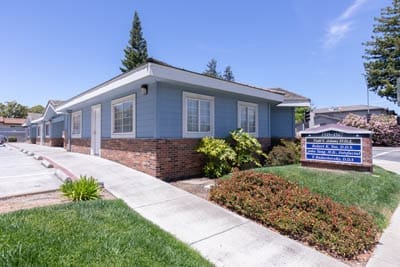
{"points": [[240, 150], [296, 212]]}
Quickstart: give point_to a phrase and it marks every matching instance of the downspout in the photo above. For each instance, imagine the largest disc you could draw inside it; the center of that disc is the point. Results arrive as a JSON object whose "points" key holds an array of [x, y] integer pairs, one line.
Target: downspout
{"points": [[69, 129]]}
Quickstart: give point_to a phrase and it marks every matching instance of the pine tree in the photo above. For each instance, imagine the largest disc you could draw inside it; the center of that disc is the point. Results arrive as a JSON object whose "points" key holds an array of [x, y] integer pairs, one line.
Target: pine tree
{"points": [[228, 74], [382, 59], [136, 50], [211, 69]]}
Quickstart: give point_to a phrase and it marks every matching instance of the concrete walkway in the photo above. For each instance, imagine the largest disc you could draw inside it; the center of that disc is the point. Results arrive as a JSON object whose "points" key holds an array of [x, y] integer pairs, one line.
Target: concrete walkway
{"points": [[387, 252], [221, 236]]}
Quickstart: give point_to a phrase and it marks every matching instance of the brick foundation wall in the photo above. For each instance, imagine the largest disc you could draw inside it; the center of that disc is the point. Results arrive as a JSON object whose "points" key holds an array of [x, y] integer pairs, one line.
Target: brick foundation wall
{"points": [[167, 159], [366, 159], [81, 145], [31, 140], [57, 142], [139, 154], [265, 143], [177, 158]]}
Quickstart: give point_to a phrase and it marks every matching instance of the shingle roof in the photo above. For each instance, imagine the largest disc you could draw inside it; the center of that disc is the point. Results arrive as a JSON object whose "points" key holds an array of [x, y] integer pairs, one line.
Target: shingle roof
{"points": [[56, 103], [290, 96], [347, 109], [12, 121]]}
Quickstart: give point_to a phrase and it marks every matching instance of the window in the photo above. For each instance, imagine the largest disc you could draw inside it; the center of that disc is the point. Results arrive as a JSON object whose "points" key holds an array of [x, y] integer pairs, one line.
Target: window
{"points": [[47, 129], [248, 117], [123, 117], [76, 121], [38, 131], [198, 115]]}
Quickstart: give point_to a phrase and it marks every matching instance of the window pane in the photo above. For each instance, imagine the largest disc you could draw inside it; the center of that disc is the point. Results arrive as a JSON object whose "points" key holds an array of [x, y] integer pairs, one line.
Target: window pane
{"points": [[205, 119], [192, 115], [252, 120], [127, 117], [76, 124], [117, 118], [243, 118]]}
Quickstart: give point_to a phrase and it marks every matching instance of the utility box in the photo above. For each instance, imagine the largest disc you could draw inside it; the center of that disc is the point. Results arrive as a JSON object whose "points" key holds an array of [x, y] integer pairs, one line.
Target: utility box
{"points": [[336, 146]]}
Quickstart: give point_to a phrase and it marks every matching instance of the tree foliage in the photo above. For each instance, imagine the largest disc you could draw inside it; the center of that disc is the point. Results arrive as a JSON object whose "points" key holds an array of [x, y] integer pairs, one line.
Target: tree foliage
{"points": [[36, 109], [228, 74], [382, 53], [12, 109], [136, 51], [299, 114], [211, 70]]}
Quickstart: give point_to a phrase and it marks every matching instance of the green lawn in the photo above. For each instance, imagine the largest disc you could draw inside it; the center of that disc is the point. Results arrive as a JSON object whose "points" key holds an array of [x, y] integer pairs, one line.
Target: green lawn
{"points": [[377, 193], [92, 233]]}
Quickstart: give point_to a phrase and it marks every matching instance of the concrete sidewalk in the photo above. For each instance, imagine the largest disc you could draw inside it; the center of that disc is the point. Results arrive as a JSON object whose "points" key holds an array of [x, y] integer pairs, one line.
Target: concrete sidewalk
{"points": [[387, 251], [221, 236]]}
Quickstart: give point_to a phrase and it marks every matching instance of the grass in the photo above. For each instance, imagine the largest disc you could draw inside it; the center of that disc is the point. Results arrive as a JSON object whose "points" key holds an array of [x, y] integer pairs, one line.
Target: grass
{"points": [[377, 193], [92, 233]]}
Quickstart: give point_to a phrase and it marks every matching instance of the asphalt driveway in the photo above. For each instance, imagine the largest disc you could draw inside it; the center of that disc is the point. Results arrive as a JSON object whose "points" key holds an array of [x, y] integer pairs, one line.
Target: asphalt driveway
{"points": [[21, 174]]}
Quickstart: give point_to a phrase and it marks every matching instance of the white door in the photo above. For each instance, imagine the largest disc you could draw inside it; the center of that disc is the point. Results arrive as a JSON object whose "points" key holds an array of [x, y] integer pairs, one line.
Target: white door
{"points": [[96, 130]]}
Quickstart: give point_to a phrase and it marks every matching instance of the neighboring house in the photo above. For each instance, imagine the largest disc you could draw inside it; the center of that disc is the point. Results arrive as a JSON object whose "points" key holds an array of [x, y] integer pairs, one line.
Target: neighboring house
{"points": [[49, 127], [330, 115], [152, 118], [29, 127], [12, 127]]}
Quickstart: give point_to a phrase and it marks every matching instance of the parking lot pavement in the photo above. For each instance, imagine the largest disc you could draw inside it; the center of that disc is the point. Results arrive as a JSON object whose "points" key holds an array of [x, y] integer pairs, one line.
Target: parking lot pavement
{"points": [[21, 174]]}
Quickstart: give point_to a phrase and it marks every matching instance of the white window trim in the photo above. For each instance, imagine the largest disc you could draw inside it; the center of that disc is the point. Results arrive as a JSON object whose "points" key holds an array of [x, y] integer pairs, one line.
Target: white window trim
{"points": [[185, 132], [49, 133], [80, 124], [251, 105], [118, 101]]}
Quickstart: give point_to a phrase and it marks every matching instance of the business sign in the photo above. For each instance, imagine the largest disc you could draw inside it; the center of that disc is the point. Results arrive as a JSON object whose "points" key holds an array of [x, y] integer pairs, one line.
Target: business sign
{"points": [[334, 149]]}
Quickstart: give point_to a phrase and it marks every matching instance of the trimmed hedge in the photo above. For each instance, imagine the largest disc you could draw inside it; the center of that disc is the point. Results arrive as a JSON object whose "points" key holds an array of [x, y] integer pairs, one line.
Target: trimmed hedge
{"points": [[295, 211]]}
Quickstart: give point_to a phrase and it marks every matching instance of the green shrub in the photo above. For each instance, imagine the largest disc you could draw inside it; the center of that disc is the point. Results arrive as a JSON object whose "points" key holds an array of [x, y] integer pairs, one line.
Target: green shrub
{"points": [[219, 156], [248, 149], [288, 152], [295, 211], [82, 189], [12, 139]]}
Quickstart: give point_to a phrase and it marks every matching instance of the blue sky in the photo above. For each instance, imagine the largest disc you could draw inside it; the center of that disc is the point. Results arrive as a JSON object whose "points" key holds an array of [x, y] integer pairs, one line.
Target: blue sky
{"points": [[56, 49]]}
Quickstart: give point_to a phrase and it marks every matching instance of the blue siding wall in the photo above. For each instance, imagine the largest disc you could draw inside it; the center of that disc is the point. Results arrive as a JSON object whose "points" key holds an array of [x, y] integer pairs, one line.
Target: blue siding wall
{"points": [[145, 110], [57, 129], [169, 111], [282, 122]]}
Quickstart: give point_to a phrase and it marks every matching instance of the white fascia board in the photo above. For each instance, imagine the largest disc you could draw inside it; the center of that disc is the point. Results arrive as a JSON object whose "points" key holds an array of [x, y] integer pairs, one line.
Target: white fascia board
{"points": [[168, 73], [294, 104], [38, 120], [137, 75]]}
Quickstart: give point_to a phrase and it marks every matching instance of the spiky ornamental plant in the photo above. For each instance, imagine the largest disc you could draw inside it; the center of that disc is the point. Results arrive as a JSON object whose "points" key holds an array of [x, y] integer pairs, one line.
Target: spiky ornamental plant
{"points": [[382, 59], [136, 51]]}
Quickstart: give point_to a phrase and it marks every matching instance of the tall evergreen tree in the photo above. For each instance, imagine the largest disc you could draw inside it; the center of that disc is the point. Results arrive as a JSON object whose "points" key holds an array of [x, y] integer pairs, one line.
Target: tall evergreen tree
{"points": [[228, 74], [136, 50], [382, 59], [211, 69]]}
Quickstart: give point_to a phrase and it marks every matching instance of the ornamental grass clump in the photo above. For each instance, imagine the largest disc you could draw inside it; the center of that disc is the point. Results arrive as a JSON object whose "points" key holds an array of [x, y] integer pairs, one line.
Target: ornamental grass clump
{"points": [[295, 211], [81, 190]]}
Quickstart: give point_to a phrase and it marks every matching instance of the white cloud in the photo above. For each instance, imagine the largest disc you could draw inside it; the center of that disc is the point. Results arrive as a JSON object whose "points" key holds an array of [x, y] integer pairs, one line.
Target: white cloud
{"points": [[341, 25]]}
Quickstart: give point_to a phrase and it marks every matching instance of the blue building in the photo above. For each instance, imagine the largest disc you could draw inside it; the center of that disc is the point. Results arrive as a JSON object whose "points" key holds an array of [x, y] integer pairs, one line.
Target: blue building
{"points": [[152, 118]]}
